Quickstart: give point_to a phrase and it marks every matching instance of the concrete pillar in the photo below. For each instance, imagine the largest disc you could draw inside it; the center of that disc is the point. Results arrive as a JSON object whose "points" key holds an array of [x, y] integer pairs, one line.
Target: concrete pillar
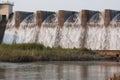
{"points": [[102, 13], [84, 17], [41, 16], [60, 18], [20, 16], [63, 16], [38, 18], [17, 19], [107, 17]]}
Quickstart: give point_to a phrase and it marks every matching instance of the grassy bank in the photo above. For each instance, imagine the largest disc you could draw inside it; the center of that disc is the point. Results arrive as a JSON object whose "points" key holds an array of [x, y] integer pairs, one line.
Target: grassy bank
{"points": [[38, 52]]}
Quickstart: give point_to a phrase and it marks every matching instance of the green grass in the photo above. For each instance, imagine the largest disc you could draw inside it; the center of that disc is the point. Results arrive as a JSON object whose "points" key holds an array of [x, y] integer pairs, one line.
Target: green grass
{"points": [[38, 52], [23, 46]]}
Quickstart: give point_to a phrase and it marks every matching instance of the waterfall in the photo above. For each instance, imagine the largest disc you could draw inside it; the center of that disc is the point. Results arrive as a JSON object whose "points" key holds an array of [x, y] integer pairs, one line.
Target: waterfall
{"points": [[48, 31], [94, 35], [72, 33], [114, 33], [25, 33], [10, 32], [27, 30]]}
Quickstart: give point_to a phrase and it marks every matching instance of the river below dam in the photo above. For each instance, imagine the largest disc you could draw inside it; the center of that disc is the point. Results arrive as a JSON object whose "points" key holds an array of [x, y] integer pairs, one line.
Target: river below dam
{"points": [[86, 70]]}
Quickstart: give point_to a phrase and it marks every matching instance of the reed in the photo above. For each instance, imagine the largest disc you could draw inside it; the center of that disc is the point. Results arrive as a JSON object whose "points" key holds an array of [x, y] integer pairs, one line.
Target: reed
{"points": [[38, 52]]}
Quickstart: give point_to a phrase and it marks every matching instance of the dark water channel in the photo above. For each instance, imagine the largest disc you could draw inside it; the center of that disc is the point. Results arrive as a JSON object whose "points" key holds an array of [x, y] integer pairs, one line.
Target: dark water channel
{"points": [[58, 70]]}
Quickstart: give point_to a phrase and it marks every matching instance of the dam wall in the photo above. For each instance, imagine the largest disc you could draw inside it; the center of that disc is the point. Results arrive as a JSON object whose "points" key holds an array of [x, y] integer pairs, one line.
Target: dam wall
{"points": [[96, 30], [111, 16], [84, 17], [41, 16], [107, 17], [63, 16], [20, 16]]}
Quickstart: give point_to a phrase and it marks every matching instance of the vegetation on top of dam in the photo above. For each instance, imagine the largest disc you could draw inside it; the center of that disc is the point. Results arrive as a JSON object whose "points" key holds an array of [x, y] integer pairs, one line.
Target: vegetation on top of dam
{"points": [[37, 52]]}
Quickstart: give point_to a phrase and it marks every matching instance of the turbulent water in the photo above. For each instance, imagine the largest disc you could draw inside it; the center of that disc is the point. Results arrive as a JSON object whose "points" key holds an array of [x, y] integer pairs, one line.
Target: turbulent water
{"points": [[48, 32], [10, 32], [95, 35], [27, 30], [72, 33]]}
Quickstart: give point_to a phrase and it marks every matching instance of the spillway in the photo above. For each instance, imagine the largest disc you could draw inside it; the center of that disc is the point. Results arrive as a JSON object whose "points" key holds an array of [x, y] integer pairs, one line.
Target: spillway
{"points": [[96, 30], [72, 32], [95, 37], [48, 32]]}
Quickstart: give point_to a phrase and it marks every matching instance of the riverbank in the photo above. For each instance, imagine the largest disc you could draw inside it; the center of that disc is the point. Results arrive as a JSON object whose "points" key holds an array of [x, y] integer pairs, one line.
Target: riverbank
{"points": [[38, 52]]}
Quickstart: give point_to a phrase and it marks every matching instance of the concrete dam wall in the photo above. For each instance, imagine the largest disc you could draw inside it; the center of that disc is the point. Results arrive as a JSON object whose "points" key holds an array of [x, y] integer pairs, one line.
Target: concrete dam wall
{"points": [[96, 30], [84, 15]]}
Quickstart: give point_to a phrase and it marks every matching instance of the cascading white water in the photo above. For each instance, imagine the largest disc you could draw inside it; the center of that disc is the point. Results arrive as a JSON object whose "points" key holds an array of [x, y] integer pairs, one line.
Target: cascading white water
{"points": [[49, 30], [114, 34], [72, 33], [25, 33], [10, 32], [28, 30], [96, 33]]}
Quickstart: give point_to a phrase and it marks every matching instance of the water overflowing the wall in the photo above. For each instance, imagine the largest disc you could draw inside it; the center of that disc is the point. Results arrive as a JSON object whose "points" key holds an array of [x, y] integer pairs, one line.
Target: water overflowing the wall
{"points": [[96, 32], [72, 32], [10, 31], [68, 29], [114, 32], [48, 32], [27, 30]]}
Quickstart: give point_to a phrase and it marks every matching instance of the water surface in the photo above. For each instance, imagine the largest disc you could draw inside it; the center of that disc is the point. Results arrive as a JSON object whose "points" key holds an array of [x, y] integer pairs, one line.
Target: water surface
{"points": [[58, 70]]}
